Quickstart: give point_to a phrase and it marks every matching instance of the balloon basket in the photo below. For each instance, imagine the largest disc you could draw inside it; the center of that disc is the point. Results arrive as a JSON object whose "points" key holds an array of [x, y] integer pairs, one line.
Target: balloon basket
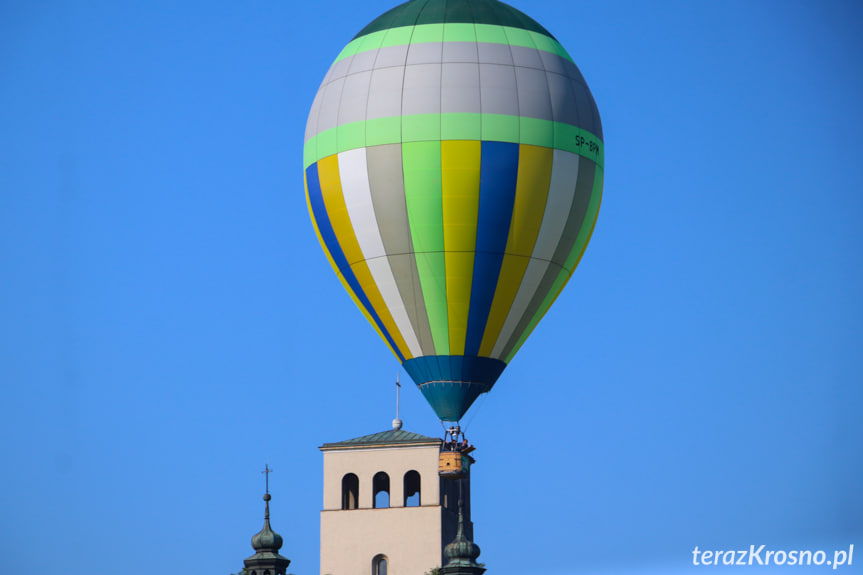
{"points": [[454, 461], [453, 465]]}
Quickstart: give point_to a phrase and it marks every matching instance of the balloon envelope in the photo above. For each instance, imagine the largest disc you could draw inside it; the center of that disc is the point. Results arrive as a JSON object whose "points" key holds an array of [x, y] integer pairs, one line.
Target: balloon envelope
{"points": [[453, 168]]}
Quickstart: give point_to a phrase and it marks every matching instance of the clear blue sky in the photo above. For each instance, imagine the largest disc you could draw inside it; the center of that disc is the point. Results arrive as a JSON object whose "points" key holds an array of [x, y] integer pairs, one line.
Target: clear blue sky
{"points": [[169, 323]]}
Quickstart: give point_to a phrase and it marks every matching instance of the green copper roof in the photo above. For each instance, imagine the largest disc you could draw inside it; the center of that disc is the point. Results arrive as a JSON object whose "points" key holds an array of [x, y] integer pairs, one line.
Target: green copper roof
{"points": [[419, 12], [390, 437], [266, 544], [461, 553]]}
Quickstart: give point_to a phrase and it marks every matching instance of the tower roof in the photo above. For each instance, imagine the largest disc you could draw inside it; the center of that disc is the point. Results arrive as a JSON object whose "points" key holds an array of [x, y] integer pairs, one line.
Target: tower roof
{"points": [[461, 553], [388, 438], [266, 539], [266, 544]]}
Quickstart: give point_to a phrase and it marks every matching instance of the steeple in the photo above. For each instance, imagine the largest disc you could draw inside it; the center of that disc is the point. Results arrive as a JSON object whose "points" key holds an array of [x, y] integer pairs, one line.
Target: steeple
{"points": [[461, 553], [267, 543]]}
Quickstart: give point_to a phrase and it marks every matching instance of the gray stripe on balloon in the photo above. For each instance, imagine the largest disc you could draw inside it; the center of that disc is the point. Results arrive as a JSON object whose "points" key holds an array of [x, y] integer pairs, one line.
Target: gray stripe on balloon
{"points": [[396, 90], [388, 196]]}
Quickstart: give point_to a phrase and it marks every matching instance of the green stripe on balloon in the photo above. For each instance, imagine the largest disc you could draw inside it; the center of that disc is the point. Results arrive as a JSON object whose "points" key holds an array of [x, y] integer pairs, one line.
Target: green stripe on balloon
{"points": [[426, 127], [461, 127], [424, 197], [547, 44], [481, 33], [422, 174], [458, 33], [379, 132], [421, 128], [536, 132], [519, 37], [427, 34], [352, 137], [500, 128], [397, 36]]}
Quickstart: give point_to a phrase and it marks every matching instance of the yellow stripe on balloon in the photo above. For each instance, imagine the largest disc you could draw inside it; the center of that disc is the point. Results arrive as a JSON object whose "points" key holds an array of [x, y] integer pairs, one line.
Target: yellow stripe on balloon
{"points": [[337, 212], [460, 171], [531, 194], [367, 281], [321, 240], [566, 274]]}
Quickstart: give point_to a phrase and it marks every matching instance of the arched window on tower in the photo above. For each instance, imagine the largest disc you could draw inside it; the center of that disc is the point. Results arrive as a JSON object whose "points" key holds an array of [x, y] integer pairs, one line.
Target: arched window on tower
{"points": [[350, 491], [379, 565], [381, 490], [412, 489]]}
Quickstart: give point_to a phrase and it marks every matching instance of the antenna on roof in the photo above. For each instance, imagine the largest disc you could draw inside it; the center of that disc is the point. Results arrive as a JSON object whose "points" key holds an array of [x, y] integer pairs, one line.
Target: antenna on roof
{"points": [[397, 423]]}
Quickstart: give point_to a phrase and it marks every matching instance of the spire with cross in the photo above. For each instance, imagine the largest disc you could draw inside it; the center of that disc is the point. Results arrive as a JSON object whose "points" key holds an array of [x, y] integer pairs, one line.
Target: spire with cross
{"points": [[267, 542]]}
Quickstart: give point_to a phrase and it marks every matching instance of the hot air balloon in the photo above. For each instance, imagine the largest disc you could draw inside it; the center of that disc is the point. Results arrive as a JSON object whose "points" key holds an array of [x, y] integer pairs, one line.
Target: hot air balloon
{"points": [[453, 165]]}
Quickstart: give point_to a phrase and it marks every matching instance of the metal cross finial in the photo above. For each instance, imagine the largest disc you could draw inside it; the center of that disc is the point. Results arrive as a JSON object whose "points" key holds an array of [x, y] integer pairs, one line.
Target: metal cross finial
{"points": [[266, 473]]}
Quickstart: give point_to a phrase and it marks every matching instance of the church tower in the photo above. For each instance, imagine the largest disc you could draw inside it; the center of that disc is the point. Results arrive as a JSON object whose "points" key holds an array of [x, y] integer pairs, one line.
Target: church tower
{"points": [[266, 543], [387, 510]]}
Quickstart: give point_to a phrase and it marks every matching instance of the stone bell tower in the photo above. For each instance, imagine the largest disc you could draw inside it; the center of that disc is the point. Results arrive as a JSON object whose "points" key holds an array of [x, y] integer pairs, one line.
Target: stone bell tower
{"points": [[387, 510]]}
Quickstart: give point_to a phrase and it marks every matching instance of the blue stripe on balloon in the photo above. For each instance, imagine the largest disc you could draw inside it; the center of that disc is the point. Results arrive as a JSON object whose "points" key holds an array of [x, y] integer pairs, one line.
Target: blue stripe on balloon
{"points": [[451, 383], [497, 184], [319, 210]]}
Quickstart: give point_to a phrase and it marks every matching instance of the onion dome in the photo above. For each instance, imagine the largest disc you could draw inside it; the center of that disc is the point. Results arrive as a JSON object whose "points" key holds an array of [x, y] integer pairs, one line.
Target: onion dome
{"points": [[267, 543], [266, 539], [461, 553]]}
